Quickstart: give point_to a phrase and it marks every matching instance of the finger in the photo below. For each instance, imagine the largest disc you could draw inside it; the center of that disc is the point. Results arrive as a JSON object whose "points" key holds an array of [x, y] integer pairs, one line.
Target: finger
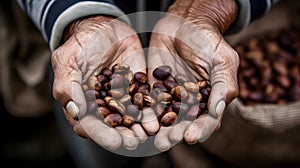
{"points": [[130, 141], [177, 132], [67, 89], [69, 118], [161, 140], [223, 81], [200, 129], [149, 121], [139, 132], [99, 132]]}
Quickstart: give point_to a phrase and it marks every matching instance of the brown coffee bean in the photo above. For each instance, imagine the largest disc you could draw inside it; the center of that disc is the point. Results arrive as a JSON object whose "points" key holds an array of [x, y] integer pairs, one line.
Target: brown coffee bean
{"points": [[116, 106], [144, 89], [128, 121], [168, 119], [92, 80], [102, 94], [155, 92], [181, 93], [102, 112], [129, 77], [113, 119], [102, 79], [120, 68], [181, 78], [98, 86], [284, 81], [280, 67], [106, 72], [132, 89], [138, 100], [164, 98], [193, 112], [202, 84], [100, 102], [205, 94], [179, 107], [170, 84], [162, 72], [198, 98], [160, 85], [148, 101], [294, 93], [271, 98], [191, 87], [141, 77], [107, 99], [203, 106], [106, 86], [256, 96]]}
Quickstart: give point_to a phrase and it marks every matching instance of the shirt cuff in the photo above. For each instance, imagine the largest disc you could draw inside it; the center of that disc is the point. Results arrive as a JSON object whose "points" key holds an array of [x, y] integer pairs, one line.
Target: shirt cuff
{"points": [[54, 27], [243, 17]]}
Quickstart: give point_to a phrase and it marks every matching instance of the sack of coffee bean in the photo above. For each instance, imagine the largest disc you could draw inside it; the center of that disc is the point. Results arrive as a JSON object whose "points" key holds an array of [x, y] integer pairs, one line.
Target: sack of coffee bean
{"points": [[261, 127]]}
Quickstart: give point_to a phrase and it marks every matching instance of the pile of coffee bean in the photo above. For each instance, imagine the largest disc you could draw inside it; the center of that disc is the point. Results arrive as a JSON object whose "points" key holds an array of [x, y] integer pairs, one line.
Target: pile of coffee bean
{"points": [[118, 96], [177, 97], [269, 69]]}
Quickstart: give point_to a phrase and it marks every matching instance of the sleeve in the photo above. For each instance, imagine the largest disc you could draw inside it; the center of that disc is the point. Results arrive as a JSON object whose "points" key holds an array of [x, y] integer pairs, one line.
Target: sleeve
{"points": [[250, 10], [52, 16]]}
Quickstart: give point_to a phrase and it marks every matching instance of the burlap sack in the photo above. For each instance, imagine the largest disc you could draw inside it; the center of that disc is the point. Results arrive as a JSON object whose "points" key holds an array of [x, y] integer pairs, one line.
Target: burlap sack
{"points": [[262, 135]]}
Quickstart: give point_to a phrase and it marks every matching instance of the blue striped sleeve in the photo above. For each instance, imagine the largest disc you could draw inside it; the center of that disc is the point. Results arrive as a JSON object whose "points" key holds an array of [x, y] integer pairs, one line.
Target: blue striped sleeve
{"points": [[249, 11], [52, 16]]}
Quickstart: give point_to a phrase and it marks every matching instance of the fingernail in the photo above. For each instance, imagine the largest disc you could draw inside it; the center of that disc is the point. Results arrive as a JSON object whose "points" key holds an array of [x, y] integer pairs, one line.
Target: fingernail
{"points": [[220, 108], [72, 109]]}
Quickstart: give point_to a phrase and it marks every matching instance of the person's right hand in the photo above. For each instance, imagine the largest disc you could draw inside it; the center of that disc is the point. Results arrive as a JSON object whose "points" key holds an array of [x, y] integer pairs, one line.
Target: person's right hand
{"points": [[190, 40], [95, 43]]}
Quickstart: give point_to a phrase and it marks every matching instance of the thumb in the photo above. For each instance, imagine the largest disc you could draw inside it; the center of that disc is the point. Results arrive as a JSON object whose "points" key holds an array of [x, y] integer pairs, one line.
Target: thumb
{"points": [[224, 89], [67, 84]]}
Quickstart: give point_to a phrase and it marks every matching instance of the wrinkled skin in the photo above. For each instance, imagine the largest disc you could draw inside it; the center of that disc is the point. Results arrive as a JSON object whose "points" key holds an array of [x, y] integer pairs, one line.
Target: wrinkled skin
{"points": [[92, 43], [190, 40]]}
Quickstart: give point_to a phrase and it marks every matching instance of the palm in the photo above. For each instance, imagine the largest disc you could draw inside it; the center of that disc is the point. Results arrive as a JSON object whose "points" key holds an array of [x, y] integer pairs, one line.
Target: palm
{"points": [[90, 49], [199, 53]]}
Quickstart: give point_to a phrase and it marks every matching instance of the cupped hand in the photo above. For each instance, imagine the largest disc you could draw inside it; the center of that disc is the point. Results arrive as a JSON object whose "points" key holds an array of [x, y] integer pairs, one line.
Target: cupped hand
{"points": [[190, 40], [91, 44]]}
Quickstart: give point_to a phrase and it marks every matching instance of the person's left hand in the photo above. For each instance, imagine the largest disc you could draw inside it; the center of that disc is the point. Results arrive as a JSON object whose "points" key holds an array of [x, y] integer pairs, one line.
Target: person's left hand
{"points": [[91, 44], [189, 39]]}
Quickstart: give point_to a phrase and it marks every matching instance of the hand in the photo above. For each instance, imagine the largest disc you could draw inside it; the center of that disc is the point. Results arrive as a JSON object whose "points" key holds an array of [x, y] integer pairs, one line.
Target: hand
{"points": [[189, 39], [94, 43]]}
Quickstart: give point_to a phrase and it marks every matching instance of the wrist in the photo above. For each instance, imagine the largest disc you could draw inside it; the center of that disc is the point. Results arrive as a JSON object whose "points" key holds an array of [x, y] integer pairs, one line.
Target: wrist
{"points": [[218, 14]]}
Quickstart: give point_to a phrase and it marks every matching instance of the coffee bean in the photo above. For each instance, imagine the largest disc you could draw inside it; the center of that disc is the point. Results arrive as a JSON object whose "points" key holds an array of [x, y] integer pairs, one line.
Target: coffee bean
{"points": [[141, 77], [162, 72], [113, 119], [168, 119]]}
